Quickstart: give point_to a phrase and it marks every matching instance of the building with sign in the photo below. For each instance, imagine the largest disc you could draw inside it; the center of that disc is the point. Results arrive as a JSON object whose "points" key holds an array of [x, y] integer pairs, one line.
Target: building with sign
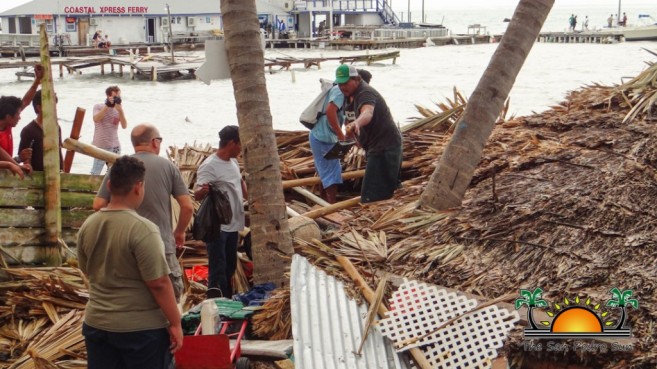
{"points": [[124, 21]]}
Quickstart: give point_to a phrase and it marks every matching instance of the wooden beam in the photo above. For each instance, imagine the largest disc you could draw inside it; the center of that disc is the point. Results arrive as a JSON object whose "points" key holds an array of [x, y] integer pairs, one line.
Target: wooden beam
{"points": [[33, 218], [89, 150], [35, 197], [70, 182]]}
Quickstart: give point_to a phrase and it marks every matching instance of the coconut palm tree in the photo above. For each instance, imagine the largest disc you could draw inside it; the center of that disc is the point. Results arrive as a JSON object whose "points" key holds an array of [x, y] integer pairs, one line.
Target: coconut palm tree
{"points": [[532, 300], [271, 236], [463, 153], [622, 300]]}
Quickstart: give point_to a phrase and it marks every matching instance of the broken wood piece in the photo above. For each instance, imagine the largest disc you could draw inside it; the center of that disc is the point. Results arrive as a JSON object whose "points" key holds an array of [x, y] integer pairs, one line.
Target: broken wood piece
{"points": [[371, 313], [369, 295], [75, 134], [332, 208]]}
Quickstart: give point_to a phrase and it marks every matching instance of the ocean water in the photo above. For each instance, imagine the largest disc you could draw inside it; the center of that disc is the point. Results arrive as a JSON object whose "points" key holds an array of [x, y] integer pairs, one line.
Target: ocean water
{"points": [[420, 76], [458, 15]]}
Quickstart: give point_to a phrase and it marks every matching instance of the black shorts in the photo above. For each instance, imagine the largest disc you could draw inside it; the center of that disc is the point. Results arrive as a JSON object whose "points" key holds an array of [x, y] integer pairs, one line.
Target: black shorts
{"points": [[129, 350]]}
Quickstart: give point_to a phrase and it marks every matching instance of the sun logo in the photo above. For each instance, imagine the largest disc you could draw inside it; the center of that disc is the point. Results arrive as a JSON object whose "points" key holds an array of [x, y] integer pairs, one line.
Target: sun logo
{"points": [[574, 319]]}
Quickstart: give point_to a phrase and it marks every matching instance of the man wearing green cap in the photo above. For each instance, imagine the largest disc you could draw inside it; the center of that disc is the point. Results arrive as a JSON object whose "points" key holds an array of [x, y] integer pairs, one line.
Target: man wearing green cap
{"points": [[376, 132]]}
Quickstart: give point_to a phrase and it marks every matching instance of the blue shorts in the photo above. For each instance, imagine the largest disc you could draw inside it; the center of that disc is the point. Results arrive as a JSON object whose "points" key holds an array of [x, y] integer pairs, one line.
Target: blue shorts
{"points": [[330, 171]]}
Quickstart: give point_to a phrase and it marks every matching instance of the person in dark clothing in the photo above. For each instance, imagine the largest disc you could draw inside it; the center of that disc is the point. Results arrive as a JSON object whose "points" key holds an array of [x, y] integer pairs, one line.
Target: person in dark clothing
{"points": [[376, 132], [32, 138]]}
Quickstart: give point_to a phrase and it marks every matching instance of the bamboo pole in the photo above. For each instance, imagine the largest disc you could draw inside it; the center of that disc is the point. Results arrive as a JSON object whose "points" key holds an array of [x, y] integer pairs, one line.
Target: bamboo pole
{"points": [[333, 208], [370, 296], [51, 153], [75, 134], [311, 196], [311, 181], [89, 150]]}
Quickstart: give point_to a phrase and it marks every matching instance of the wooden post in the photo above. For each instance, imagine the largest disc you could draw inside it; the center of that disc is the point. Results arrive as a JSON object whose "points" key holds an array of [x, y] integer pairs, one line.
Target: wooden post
{"points": [[102, 69], [154, 73], [51, 153], [112, 67], [61, 71], [75, 133], [121, 70]]}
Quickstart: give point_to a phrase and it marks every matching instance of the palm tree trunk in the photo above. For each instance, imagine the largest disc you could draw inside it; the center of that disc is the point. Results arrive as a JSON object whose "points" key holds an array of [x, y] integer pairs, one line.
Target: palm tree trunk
{"points": [[530, 317], [271, 236], [454, 172], [621, 322]]}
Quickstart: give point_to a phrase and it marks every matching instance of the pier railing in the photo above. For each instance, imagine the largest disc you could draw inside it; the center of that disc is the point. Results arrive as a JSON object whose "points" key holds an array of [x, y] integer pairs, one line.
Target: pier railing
{"points": [[19, 40]]}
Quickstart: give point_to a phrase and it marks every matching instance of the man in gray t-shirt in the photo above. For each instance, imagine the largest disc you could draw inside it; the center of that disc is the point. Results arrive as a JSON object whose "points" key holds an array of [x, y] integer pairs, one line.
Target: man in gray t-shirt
{"points": [[163, 180]]}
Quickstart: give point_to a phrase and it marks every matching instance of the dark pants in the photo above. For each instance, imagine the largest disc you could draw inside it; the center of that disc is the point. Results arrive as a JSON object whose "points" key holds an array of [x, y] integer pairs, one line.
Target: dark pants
{"points": [[222, 262], [381, 175], [127, 350]]}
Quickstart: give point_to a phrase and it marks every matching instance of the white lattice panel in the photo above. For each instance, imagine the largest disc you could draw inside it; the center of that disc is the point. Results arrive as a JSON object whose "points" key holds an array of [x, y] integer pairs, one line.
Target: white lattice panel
{"points": [[417, 309]]}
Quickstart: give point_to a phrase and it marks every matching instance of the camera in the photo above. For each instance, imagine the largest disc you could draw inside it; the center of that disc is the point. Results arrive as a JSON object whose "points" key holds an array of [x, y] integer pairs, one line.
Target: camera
{"points": [[117, 100]]}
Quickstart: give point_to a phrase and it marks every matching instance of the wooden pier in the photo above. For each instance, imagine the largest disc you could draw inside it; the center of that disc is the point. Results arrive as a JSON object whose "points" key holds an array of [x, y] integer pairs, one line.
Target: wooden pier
{"points": [[377, 43], [588, 37], [287, 62], [158, 67]]}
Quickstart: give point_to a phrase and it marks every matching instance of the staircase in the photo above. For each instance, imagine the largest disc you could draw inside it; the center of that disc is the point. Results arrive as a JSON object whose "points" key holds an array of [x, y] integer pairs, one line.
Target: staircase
{"points": [[382, 7], [387, 14]]}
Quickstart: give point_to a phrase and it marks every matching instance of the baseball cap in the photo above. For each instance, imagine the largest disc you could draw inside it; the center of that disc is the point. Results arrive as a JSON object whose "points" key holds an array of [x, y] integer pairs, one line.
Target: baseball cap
{"points": [[344, 72]]}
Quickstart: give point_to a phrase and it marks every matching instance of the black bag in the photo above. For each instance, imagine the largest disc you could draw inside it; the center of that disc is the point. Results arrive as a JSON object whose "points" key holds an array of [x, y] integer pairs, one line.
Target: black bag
{"points": [[214, 211]]}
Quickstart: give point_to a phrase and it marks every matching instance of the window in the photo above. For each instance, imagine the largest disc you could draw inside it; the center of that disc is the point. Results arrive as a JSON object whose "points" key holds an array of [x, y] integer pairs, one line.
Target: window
{"points": [[50, 26], [12, 24], [178, 20], [71, 25], [25, 25]]}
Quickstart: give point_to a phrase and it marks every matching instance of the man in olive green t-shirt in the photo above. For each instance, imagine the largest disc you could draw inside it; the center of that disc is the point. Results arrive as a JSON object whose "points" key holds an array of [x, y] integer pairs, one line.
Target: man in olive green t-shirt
{"points": [[131, 319]]}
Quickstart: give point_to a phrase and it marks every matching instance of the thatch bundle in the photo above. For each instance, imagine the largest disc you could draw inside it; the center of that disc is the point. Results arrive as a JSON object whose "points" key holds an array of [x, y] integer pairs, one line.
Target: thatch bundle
{"points": [[41, 314]]}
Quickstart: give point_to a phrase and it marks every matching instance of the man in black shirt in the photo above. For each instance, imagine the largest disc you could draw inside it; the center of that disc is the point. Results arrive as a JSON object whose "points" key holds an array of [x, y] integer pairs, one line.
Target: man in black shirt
{"points": [[32, 138], [376, 132]]}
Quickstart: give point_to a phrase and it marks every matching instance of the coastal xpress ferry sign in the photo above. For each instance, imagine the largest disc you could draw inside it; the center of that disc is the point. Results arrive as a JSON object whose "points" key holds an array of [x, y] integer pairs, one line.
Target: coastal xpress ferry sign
{"points": [[576, 319]]}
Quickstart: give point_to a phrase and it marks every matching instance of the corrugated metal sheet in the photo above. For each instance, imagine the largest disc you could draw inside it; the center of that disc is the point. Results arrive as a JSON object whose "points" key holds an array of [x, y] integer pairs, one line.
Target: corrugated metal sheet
{"points": [[327, 326]]}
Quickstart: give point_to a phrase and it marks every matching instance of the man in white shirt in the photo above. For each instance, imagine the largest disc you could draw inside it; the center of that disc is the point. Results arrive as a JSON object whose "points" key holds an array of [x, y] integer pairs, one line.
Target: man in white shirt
{"points": [[222, 168]]}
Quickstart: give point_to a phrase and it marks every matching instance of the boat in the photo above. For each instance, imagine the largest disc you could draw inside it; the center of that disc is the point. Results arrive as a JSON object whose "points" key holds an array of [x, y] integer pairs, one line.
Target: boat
{"points": [[646, 30]]}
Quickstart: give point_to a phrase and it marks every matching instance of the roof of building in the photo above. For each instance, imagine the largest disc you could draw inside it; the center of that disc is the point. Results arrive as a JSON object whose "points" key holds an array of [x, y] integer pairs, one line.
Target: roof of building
{"points": [[152, 7]]}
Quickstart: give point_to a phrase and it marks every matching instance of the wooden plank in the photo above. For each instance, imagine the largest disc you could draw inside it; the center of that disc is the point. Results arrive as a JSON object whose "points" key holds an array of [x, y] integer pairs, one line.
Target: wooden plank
{"points": [[36, 198], [10, 237], [15, 255], [35, 217], [70, 182]]}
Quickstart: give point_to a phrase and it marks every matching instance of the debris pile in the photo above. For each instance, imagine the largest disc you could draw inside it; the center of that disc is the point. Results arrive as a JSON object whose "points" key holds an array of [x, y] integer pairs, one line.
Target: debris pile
{"points": [[562, 200]]}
